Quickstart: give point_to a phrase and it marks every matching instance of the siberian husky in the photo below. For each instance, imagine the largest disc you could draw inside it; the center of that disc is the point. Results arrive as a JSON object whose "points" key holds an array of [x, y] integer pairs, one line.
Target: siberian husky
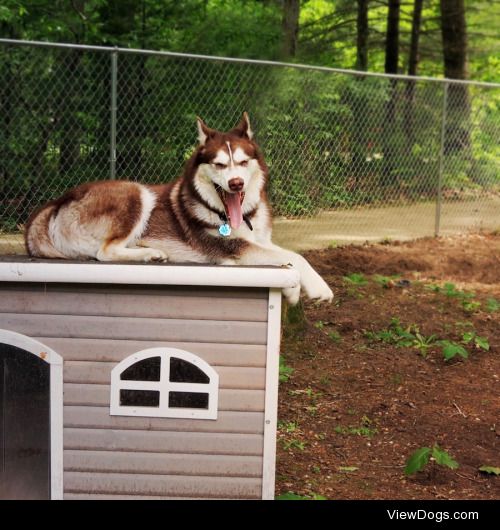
{"points": [[217, 212]]}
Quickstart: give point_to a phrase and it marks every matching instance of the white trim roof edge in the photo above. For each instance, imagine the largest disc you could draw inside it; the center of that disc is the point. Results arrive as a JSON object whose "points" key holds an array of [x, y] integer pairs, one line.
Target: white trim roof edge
{"points": [[218, 276]]}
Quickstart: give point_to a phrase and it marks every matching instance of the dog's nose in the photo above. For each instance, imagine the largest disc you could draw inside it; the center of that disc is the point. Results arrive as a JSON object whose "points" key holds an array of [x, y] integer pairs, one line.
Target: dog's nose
{"points": [[236, 184]]}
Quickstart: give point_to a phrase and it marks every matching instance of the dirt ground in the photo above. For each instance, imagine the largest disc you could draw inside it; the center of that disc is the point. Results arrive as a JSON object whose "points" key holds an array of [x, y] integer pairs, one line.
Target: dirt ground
{"points": [[358, 404]]}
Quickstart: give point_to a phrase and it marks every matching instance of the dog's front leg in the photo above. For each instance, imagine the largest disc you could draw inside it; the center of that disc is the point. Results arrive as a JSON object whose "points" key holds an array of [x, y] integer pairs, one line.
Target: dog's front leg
{"points": [[312, 283]]}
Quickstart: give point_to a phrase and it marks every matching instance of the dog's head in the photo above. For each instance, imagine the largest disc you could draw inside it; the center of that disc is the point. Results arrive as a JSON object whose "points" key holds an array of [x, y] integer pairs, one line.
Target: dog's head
{"points": [[228, 170]]}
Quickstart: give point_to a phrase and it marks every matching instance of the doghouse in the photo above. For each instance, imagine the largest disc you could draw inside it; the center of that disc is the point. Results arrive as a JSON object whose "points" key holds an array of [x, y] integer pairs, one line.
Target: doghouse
{"points": [[138, 381]]}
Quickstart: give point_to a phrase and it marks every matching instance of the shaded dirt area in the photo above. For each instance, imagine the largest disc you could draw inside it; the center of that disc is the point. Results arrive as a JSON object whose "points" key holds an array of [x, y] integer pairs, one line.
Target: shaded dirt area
{"points": [[363, 396]]}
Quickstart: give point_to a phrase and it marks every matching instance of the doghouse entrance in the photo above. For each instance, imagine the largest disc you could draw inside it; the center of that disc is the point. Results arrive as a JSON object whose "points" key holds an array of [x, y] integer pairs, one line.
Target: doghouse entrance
{"points": [[24, 425]]}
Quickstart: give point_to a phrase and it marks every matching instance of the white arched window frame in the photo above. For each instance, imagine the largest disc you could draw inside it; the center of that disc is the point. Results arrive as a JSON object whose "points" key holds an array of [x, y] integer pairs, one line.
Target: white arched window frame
{"points": [[164, 386], [56, 402]]}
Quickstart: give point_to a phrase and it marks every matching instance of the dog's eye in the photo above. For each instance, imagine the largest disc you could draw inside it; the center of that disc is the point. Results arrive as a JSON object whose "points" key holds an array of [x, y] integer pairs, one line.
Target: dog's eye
{"points": [[220, 166], [244, 163]]}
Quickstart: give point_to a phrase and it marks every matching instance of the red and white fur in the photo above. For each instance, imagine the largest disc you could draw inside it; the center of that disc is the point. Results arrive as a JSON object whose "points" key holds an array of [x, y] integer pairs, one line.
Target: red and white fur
{"points": [[225, 178]]}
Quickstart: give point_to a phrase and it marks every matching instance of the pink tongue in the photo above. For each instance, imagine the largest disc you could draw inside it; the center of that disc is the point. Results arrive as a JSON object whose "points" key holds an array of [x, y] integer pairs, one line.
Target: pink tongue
{"points": [[233, 202]]}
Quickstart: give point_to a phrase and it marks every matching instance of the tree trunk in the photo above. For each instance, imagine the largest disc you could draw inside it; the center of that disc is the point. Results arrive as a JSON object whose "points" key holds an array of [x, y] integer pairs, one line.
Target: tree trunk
{"points": [[70, 67], [391, 67], [291, 12], [415, 36], [412, 70], [362, 36], [454, 34], [392, 37]]}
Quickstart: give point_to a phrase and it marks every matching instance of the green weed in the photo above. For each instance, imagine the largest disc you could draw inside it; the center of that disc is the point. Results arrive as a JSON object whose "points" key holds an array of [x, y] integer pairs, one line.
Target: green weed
{"points": [[421, 457]]}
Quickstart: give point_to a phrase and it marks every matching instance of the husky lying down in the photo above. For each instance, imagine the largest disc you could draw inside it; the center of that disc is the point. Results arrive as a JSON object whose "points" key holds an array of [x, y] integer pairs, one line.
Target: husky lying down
{"points": [[217, 212]]}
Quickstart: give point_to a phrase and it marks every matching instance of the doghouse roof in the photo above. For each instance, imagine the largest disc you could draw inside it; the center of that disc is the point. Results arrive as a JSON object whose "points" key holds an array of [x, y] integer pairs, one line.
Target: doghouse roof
{"points": [[23, 269]]}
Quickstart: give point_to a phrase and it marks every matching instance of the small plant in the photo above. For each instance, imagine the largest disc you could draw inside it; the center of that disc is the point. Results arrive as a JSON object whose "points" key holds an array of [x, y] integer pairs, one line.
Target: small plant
{"points": [[356, 279], [294, 444], [492, 305], [409, 337], [452, 349], [335, 336], [421, 457], [319, 324], [364, 429], [348, 469], [481, 343], [385, 281], [290, 496], [288, 427], [285, 371], [450, 290], [490, 470]]}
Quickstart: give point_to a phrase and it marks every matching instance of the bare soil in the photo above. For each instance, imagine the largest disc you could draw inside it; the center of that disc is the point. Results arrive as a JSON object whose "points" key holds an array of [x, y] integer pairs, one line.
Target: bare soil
{"points": [[355, 407]]}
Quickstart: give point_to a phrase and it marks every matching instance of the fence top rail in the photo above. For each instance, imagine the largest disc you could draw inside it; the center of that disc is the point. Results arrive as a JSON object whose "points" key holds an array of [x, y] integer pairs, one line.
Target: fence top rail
{"points": [[298, 66]]}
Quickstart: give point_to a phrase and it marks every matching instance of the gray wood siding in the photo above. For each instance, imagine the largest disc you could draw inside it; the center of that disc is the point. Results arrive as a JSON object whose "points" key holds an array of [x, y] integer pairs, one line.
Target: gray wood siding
{"points": [[163, 464], [93, 327], [98, 396], [216, 354], [125, 328], [151, 305], [163, 441], [163, 485], [100, 373], [227, 421]]}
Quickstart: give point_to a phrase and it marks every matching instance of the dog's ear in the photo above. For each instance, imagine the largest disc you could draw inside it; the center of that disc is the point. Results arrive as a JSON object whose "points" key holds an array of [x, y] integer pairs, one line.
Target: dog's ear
{"points": [[243, 128], [204, 132]]}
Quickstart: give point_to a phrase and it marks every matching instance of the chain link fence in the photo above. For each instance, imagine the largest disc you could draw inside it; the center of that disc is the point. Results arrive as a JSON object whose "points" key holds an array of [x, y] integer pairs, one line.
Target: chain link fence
{"points": [[352, 156]]}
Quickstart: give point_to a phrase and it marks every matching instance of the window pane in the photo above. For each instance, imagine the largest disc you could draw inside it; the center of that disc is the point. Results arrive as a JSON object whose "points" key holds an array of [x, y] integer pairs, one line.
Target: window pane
{"points": [[145, 370], [24, 425], [139, 398], [189, 400], [183, 372]]}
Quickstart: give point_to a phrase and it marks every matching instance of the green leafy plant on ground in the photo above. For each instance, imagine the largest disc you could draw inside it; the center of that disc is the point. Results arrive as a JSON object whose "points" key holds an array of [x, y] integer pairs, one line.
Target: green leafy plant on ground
{"points": [[285, 371], [421, 457], [410, 337], [356, 279], [492, 305], [365, 428], [450, 290], [490, 470], [290, 496]]}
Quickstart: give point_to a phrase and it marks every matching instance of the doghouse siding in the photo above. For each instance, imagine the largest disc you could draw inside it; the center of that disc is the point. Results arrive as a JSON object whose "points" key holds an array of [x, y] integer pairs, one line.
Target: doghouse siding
{"points": [[161, 485], [94, 327], [98, 395]]}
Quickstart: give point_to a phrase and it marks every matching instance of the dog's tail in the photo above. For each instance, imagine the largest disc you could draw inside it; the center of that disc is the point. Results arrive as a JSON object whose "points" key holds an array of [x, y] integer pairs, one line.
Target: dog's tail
{"points": [[37, 234]]}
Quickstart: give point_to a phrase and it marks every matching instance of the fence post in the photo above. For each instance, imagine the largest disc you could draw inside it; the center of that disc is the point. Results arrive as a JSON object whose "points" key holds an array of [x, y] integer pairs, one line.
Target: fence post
{"points": [[441, 161], [113, 107]]}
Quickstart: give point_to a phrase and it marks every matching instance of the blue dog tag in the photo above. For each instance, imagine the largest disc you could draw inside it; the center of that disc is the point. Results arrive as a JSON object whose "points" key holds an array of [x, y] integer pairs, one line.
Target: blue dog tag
{"points": [[225, 230]]}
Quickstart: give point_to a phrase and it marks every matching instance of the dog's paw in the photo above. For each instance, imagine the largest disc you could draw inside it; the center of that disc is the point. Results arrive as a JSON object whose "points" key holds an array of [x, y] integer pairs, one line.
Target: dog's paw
{"points": [[319, 291], [292, 295], [153, 254]]}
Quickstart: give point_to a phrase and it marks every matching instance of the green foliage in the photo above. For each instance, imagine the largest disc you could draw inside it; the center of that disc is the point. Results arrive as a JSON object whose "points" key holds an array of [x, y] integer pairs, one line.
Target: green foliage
{"points": [[492, 305], [335, 336], [451, 349], [490, 470], [418, 460], [315, 127], [466, 298], [481, 343], [365, 428], [285, 371], [356, 279], [385, 281], [409, 337], [421, 457], [294, 444], [290, 496]]}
